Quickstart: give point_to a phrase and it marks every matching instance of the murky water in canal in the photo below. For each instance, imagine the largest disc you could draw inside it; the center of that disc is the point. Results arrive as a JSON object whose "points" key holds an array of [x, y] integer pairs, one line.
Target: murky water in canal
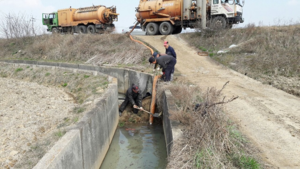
{"points": [[137, 146]]}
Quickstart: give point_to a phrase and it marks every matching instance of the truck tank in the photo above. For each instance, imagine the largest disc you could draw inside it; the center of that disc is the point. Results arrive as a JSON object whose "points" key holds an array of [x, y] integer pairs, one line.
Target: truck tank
{"points": [[163, 8], [199, 8], [186, 9], [101, 13]]}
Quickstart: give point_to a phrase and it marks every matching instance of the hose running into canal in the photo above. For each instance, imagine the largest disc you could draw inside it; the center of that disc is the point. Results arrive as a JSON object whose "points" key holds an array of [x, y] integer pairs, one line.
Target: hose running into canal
{"points": [[155, 79]]}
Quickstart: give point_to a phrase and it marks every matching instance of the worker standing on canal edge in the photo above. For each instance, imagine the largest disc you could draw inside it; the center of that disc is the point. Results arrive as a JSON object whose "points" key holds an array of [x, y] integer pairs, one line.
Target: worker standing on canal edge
{"points": [[167, 62], [133, 97], [170, 51]]}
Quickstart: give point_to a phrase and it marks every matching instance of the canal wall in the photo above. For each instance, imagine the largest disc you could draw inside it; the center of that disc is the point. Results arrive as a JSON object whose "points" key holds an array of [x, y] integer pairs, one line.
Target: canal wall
{"points": [[85, 145], [172, 128], [125, 77]]}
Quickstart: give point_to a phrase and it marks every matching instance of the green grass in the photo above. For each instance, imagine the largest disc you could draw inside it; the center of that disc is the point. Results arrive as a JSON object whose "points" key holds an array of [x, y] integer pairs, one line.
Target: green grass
{"points": [[86, 76], [235, 134], [64, 85], [121, 124], [75, 119], [245, 162], [19, 70], [203, 49], [47, 74], [79, 110], [59, 133]]}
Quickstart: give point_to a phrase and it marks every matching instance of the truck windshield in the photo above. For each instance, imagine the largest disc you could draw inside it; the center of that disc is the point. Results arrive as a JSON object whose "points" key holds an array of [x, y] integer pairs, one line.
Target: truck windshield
{"points": [[238, 2], [45, 16], [52, 16]]}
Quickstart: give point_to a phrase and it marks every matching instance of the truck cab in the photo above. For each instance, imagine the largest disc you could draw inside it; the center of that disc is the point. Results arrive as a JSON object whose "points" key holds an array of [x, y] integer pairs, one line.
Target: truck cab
{"points": [[51, 21], [225, 13]]}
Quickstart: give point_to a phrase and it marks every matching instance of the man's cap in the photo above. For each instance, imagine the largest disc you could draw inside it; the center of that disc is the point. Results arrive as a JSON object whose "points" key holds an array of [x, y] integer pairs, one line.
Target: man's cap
{"points": [[151, 59], [166, 43], [135, 87], [154, 54]]}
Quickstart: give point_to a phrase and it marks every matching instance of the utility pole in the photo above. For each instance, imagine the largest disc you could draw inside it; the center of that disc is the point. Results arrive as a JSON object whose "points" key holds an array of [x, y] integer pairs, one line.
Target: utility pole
{"points": [[32, 20], [203, 17]]}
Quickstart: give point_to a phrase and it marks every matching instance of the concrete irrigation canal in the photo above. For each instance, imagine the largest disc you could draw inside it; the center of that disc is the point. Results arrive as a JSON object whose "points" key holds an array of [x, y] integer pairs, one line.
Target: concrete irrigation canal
{"points": [[96, 141]]}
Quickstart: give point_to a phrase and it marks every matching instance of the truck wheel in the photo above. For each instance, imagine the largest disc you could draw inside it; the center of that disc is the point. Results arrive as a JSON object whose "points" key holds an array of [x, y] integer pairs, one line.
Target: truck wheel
{"points": [[82, 29], [91, 29], [229, 26], [219, 22], [177, 30], [166, 28], [55, 31], [152, 28]]}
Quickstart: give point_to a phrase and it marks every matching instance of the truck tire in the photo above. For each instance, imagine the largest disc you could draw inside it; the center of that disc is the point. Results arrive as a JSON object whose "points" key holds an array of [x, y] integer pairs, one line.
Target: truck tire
{"points": [[55, 31], [166, 28], [91, 29], [152, 28], [177, 30], [82, 29], [219, 22], [229, 26]]}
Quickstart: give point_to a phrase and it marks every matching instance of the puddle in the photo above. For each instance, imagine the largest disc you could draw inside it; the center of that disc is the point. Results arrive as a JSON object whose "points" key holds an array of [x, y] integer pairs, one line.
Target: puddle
{"points": [[137, 146]]}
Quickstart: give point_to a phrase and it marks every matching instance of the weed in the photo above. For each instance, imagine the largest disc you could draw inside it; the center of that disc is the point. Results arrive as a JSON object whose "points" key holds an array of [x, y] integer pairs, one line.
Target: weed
{"points": [[86, 76], [121, 124], [64, 85], [75, 119], [47, 74], [19, 69], [28, 67], [211, 54], [245, 162], [59, 133], [104, 84], [235, 134], [79, 110]]}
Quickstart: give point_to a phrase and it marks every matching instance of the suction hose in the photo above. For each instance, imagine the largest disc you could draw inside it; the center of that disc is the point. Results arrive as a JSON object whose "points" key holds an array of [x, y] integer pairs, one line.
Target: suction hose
{"points": [[155, 79]]}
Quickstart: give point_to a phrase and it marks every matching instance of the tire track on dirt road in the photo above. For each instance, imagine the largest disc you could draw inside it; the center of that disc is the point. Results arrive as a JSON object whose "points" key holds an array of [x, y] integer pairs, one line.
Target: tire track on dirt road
{"points": [[267, 116]]}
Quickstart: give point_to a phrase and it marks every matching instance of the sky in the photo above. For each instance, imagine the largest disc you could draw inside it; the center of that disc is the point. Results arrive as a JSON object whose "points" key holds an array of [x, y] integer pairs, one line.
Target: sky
{"points": [[259, 12]]}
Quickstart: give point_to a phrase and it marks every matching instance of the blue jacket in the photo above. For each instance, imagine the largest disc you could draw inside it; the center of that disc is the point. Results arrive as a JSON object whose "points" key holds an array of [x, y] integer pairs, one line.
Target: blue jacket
{"points": [[171, 51]]}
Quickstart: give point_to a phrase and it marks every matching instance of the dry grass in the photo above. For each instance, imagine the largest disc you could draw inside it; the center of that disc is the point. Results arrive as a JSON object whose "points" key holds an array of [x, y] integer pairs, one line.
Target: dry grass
{"points": [[95, 49], [261, 52], [209, 139], [79, 85], [83, 87]]}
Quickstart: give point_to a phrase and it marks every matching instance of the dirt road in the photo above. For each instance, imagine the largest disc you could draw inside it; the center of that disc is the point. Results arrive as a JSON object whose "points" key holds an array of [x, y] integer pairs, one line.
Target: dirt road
{"points": [[269, 117]]}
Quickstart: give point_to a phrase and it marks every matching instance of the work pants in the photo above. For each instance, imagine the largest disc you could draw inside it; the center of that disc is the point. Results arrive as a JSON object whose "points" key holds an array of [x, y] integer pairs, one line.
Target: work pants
{"points": [[170, 68], [125, 103]]}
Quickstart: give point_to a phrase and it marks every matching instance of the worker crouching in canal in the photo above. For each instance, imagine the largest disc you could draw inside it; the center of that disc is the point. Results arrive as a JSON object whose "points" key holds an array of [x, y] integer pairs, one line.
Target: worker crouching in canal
{"points": [[167, 62], [133, 97]]}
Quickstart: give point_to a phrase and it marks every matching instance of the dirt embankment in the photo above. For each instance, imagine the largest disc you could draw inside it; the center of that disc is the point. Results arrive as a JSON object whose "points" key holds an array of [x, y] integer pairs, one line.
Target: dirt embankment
{"points": [[29, 113], [267, 116], [36, 106]]}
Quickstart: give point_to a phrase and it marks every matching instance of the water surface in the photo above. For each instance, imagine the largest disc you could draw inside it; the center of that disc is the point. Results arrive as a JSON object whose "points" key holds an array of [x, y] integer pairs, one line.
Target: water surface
{"points": [[137, 146]]}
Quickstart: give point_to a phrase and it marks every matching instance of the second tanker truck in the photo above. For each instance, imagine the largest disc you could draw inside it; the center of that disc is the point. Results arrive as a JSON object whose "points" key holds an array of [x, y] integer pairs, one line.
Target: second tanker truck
{"points": [[94, 19], [170, 16]]}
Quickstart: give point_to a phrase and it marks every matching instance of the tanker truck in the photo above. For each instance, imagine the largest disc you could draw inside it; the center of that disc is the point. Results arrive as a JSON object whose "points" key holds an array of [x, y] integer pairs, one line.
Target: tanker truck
{"points": [[94, 19], [171, 16]]}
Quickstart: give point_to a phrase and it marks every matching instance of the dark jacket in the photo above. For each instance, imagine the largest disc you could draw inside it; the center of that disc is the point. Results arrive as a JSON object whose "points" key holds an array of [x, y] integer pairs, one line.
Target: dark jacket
{"points": [[171, 51], [134, 96], [164, 60]]}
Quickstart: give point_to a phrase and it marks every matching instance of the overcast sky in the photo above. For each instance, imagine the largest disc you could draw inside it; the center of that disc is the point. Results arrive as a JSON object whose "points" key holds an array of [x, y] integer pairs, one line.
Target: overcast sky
{"points": [[266, 12]]}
